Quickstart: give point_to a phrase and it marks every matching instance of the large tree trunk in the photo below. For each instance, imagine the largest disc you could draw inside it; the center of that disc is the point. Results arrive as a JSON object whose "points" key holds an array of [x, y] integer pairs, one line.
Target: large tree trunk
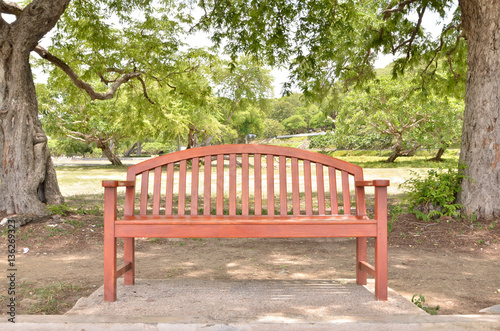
{"points": [[28, 179], [480, 150]]}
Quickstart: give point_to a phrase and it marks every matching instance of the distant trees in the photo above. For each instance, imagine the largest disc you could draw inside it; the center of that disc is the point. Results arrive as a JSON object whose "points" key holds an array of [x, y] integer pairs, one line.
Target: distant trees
{"points": [[398, 109]]}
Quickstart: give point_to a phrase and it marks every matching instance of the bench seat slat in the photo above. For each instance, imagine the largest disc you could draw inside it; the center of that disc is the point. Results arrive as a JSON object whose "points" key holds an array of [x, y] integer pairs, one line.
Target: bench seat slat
{"points": [[195, 229], [239, 219]]}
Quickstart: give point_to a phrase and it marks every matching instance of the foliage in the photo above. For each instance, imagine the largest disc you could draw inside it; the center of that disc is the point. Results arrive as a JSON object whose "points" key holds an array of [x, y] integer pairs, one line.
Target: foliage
{"points": [[327, 42], [295, 124], [272, 128], [155, 148], [419, 301], [61, 209], [68, 147], [322, 141], [397, 109], [436, 193]]}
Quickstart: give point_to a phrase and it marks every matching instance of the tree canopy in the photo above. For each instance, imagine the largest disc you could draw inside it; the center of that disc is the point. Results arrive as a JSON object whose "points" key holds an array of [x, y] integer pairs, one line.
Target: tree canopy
{"points": [[324, 43]]}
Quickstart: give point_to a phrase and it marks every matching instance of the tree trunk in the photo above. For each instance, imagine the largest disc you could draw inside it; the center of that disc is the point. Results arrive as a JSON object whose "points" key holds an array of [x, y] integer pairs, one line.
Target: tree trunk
{"points": [[28, 178], [480, 149], [439, 155], [104, 146]]}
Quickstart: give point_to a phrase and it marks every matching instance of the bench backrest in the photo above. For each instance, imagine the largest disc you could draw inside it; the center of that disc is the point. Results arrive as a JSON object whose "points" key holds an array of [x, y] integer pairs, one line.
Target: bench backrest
{"points": [[246, 180]]}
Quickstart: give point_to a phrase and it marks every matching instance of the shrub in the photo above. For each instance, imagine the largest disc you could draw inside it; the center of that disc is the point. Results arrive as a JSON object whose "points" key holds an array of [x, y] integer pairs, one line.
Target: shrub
{"points": [[322, 141], [434, 195]]}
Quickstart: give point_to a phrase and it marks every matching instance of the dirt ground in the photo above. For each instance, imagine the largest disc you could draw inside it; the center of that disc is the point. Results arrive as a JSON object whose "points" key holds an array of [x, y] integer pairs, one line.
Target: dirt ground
{"points": [[453, 264]]}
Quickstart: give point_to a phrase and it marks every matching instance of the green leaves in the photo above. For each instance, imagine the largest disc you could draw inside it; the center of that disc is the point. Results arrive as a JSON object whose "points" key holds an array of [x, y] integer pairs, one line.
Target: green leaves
{"points": [[433, 195]]}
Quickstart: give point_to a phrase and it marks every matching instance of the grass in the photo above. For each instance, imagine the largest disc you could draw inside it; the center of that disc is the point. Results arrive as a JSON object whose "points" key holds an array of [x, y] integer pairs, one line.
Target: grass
{"points": [[48, 300], [372, 159]]}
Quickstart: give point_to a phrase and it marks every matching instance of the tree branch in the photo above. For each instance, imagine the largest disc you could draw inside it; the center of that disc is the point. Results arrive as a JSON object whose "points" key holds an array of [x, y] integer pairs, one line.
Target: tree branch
{"points": [[144, 90], [409, 41], [401, 6], [12, 8], [81, 84]]}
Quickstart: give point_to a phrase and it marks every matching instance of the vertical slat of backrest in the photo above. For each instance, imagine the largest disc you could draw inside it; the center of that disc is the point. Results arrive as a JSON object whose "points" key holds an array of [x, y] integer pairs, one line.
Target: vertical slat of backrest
{"points": [[156, 192], [207, 192], [308, 187], [332, 178], [195, 177], [258, 184], [360, 201], [295, 187], [144, 193], [283, 197], [232, 184], [181, 209], [321, 189], [270, 184], [345, 193], [245, 185], [169, 195], [220, 185]]}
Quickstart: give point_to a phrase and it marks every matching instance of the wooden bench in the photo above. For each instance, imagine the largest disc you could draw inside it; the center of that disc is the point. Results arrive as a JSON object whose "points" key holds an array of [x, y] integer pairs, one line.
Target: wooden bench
{"points": [[244, 191]]}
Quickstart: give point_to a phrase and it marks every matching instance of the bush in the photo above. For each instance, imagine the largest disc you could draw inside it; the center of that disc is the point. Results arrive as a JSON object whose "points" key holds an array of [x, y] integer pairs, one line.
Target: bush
{"points": [[272, 128], [434, 195], [295, 124], [68, 147], [323, 141]]}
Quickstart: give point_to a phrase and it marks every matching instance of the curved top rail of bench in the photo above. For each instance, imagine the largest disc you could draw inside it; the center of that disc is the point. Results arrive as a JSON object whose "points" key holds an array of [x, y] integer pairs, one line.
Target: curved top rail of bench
{"points": [[199, 152]]}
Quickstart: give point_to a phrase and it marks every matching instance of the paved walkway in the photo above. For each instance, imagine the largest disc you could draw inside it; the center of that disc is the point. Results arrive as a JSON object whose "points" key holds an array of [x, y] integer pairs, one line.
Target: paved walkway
{"points": [[248, 305]]}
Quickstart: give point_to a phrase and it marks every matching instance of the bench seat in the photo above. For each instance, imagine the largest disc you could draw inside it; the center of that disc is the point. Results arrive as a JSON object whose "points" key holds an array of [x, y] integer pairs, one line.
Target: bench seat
{"points": [[199, 226]]}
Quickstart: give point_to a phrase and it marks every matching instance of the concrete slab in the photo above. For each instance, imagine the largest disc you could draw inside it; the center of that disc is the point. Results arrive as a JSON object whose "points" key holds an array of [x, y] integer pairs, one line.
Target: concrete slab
{"points": [[256, 300], [232, 305], [340, 323]]}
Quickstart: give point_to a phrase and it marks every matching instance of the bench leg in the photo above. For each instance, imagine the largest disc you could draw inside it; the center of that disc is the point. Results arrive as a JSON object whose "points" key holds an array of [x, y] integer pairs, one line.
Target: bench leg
{"points": [[381, 268], [361, 256], [128, 257], [381, 243], [109, 244], [110, 269]]}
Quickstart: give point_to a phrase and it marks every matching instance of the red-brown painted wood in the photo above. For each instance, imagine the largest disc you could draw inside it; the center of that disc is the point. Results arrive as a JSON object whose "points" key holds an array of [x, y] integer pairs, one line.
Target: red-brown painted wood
{"points": [[169, 195], [129, 260], [181, 207], [321, 189], [333, 190], [308, 187], [220, 185], [270, 184], [345, 193], [207, 205], [195, 178], [232, 184], [295, 187], [109, 244], [257, 184], [245, 185], [245, 226], [283, 188], [156, 191], [144, 192]]}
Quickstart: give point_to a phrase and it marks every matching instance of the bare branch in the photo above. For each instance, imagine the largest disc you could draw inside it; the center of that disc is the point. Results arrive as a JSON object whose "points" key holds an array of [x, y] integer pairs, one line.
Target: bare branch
{"points": [[401, 6], [409, 41], [9, 7], [144, 90], [76, 138], [81, 84]]}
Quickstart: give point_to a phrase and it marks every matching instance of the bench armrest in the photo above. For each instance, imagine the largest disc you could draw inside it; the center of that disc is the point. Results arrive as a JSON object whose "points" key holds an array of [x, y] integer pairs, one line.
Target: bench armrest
{"points": [[376, 182], [118, 183]]}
